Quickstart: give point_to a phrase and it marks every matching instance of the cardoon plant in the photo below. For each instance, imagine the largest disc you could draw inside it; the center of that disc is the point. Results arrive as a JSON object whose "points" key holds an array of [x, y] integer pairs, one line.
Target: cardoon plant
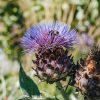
{"points": [[88, 76], [50, 42]]}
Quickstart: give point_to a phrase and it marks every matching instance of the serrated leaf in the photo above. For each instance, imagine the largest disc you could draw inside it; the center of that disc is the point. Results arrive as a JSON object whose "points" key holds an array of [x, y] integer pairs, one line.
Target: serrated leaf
{"points": [[27, 84]]}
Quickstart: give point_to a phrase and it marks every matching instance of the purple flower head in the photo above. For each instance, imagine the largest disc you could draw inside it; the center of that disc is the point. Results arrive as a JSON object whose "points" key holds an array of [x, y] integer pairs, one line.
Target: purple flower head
{"points": [[47, 36], [86, 40]]}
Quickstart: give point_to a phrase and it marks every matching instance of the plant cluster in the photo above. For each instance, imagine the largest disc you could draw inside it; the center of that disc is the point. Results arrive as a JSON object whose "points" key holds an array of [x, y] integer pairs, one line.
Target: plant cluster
{"points": [[51, 43]]}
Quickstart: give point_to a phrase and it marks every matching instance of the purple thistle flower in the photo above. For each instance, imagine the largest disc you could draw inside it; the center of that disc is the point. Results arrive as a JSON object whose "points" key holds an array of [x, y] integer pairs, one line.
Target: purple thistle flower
{"points": [[48, 35], [50, 42], [86, 40]]}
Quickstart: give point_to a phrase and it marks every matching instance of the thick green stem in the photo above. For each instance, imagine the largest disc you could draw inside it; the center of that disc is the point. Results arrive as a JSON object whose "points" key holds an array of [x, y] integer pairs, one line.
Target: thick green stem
{"points": [[68, 84], [61, 89]]}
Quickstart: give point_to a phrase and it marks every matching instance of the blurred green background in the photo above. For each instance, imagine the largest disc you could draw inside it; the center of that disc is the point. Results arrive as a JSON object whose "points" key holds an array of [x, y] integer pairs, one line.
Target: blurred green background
{"points": [[16, 16]]}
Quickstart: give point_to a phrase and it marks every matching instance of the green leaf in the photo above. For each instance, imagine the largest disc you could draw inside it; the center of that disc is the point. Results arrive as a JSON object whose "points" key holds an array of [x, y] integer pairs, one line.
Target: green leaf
{"points": [[27, 84]]}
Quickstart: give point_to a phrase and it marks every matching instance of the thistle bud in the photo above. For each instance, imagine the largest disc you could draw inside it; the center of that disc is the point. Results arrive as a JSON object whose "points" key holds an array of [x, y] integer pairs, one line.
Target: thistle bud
{"points": [[88, 76], [50, 43]]}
